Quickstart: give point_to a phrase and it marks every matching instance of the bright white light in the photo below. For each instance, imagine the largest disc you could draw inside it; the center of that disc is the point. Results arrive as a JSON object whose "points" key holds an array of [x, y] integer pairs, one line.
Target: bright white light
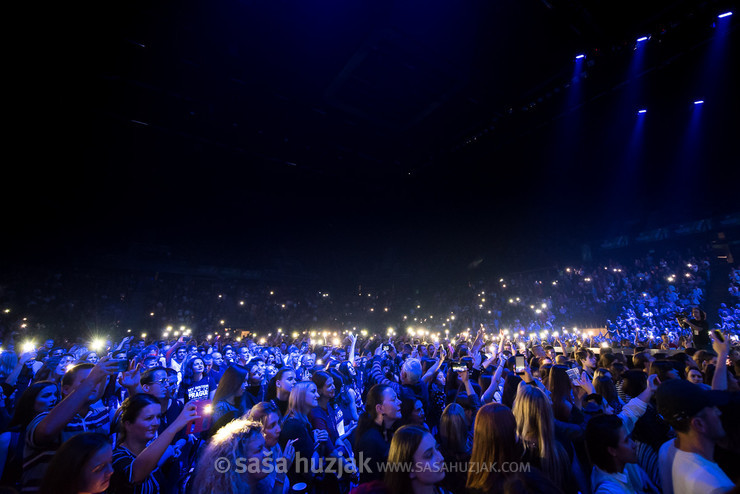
{"points": [[698, 102], [644, 38], [641, 111], [726, 14], [579, 57]]}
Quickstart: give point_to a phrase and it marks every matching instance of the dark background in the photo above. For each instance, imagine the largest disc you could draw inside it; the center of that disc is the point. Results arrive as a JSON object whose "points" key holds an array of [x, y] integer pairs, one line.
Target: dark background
{"points": [[344, 138]]}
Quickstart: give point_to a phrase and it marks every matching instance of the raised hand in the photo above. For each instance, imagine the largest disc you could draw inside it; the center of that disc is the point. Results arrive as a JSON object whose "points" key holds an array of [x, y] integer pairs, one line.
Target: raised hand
{"points": [[289, 452], [132, 377], [187, 415], [104, 368]]}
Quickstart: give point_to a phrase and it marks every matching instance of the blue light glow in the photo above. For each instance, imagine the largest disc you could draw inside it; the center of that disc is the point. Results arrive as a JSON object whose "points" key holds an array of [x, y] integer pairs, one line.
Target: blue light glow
{"points": [[641, 111], [699, 102], [726, 14], [644, 38], [578, 57]]}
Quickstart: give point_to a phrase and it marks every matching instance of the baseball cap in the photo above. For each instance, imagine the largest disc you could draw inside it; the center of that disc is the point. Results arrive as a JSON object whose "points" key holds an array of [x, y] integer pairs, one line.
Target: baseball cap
{"points": [[679, 400]]}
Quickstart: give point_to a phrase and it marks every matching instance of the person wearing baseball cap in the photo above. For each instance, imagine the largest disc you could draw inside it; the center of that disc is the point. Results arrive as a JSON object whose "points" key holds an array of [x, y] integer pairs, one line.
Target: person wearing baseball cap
{"points": [[692, 412]]}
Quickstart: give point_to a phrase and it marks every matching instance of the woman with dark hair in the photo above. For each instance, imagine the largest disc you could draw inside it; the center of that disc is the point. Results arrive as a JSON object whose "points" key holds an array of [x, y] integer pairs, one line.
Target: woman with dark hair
{"points": [[508, 393], [256, 390], [53, 370], [494, 440], [354, 381], [665, 370], [415, 446], [91, 357], [196, 384], [375, 429], [82, 464], [455, 444], [564, 406], [346, 402], [37, 398], [412, 412], [228, 400], [139, 449], [324, 418], [604, 386]]}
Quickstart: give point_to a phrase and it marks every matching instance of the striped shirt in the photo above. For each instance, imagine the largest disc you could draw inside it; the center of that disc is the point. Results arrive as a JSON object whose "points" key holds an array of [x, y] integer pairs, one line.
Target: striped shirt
{"points": [[36, 457], [121, 481]]}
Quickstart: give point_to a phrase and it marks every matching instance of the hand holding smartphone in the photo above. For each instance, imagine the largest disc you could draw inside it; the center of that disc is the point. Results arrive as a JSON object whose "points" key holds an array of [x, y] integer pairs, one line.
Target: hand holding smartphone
{"points": [[520, 365]]}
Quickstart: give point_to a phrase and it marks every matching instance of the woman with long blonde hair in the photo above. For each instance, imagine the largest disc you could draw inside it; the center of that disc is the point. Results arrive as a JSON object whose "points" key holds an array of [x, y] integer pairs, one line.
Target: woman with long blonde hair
{"points": [[535, 426], [303, 398], [239, 439]]}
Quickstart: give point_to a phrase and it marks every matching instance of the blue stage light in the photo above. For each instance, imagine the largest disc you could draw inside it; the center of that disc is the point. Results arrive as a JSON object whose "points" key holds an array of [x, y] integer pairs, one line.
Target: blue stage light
{"points": [[641, 111], [644, 38], [699, 102], [726, 14], [578, 57]]}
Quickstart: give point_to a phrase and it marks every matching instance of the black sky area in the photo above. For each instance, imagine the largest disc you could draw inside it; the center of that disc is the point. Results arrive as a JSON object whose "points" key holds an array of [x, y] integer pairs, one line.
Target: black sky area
{"points": [[348, 135]]}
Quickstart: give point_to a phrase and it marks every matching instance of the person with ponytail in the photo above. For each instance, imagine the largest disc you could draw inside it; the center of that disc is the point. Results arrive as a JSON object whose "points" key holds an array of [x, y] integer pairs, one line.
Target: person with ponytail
{"points": [[375, 429], [139, 449], [279, 387]]}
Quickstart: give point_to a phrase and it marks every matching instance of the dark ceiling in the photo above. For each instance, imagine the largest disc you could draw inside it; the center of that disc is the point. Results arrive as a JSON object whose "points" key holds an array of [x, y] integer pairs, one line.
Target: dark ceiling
{"points": [[277, 123]]}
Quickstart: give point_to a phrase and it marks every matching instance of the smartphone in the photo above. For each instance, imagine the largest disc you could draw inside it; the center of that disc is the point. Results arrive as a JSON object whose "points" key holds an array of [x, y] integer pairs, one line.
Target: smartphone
{"points": [[122, 365], [573, 374], [203, 408], [519, 364], [386, 348], [718, 335], [459, 368]]}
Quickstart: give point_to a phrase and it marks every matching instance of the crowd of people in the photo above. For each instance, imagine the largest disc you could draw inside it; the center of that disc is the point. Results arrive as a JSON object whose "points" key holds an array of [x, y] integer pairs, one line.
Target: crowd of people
{"points": [[481, 412], [602, 379], [637, 294]]}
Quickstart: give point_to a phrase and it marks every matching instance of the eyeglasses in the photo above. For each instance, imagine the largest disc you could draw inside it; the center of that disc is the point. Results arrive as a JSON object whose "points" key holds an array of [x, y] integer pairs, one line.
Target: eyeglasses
{"points": [[162, 382]]}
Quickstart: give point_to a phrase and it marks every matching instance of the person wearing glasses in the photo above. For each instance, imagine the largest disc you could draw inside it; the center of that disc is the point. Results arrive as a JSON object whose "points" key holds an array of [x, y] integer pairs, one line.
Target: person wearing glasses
{"points": [[157, 383]]}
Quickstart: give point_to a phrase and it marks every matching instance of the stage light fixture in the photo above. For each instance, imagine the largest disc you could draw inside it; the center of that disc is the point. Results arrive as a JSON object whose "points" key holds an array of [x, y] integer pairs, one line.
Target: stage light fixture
{"points": [[726, 14], [643, 38], [699, 102], [581, 56], [640, 112]]}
